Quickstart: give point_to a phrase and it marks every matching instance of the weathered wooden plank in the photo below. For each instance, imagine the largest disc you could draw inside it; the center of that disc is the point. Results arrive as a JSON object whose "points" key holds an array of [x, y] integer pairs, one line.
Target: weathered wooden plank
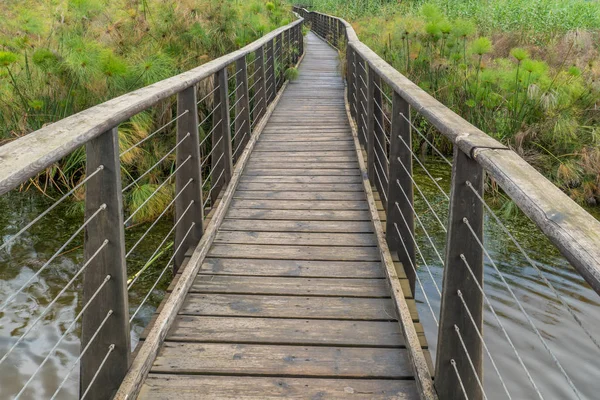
{"points": [[344, 308], [292, 163], [306, 138], [308, 195], [307, 172], [342, 287], [297, 238], [266, 178], [188, 328], [300, 215], [310, 361], [296, 226], [335, 253], [187, 387], [300, 204], [301, 268], [302, 187]]}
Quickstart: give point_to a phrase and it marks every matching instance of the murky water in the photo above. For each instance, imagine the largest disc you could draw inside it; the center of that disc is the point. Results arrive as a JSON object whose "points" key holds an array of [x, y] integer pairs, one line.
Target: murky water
{"points": [[575, 351], [20, 261], [572, 347]]}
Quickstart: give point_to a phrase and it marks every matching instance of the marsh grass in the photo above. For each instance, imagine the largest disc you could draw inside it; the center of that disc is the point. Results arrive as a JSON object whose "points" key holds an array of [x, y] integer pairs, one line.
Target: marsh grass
{"points": [[528, 79], [60, 57]]}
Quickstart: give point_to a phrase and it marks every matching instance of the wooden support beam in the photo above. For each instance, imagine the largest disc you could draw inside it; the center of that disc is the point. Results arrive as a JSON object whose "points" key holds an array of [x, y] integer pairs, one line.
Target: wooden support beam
{"points": [[104, 229], [221, 157], [260, 97], [188, 176], [242, 108], [270, 72], [371, 124], [399, 188], [461, 245], [351, 79]]}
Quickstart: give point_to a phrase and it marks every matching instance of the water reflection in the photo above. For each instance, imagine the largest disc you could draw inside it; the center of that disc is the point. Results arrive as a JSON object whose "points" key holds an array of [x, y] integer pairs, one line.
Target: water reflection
{"points": [[573, 348], [20, 261]]}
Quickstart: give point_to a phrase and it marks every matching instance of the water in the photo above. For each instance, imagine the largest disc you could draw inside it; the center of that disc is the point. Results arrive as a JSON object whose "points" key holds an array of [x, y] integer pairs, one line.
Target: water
{"points": [[575, 351], [570, 344], [20, 261]]}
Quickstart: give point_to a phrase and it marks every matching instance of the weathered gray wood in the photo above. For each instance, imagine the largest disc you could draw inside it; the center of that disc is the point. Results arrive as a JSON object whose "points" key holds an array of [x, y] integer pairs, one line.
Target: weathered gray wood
{"points": [[221, 162], [461, 243], [187, 387], [299, 204], [242, 108], [302, 187], [400, 225], [270, 71], [266, 178], [299, 215], [292, 164], [286, 331], [295, 172], [104, 191], [306, 195], [296, 238], [141, 365], [188, 176], [279, 61], [370, 125], [311, 361], [266, 225], [290, 252], [30, 154], [258, 285], [260, 88], [380, 144], [303, 268], [342, 308]]}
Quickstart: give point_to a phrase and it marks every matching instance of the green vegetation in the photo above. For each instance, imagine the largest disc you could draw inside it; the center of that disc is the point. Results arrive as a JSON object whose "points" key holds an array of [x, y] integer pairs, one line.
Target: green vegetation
{"points": [[58, 57], [529, 79]]}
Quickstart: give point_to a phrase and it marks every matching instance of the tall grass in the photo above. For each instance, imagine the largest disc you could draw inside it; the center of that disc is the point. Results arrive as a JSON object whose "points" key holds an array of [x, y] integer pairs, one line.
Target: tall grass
{"points": [[58, 57], [535, 91]]}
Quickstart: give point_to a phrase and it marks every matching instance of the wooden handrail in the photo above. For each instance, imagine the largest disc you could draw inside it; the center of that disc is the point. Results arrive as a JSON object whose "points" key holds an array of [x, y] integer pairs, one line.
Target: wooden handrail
{"points": [[25, 157]]}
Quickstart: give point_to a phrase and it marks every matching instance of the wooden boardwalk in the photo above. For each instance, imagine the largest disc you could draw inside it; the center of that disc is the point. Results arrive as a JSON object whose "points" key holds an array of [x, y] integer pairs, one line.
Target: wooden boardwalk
{"points": [[292, 300]]}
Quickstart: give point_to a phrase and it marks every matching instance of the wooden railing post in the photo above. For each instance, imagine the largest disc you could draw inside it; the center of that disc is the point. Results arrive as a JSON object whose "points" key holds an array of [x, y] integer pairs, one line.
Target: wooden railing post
{"points": [[188, 155], [380, 145], [465, 208], [270, 72], [371, 124], [279, 64], [221, 139], [301, 38], [351, 80], [260, 97], [400, 184], [242, 108], [110, 302], [361, 104]]}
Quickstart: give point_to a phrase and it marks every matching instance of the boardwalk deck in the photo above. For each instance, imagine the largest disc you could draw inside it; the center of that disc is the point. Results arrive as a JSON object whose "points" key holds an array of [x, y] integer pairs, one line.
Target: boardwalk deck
{"points": [[292, 300]]}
